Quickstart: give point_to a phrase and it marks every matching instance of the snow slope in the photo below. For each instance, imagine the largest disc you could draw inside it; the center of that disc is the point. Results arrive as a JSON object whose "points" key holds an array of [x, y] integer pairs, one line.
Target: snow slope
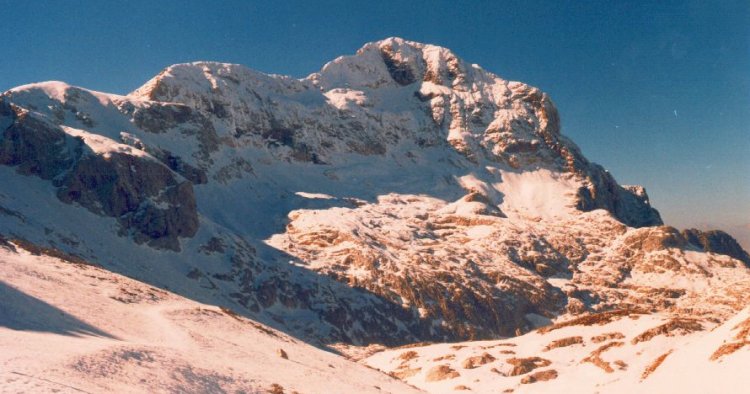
{"points": [[70, 327], [636, 352]]}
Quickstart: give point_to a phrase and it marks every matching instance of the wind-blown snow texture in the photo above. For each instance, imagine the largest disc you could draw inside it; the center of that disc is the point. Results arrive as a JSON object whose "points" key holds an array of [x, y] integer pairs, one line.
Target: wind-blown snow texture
{"points": [[398, 195], [633, 352], [71, 328]]}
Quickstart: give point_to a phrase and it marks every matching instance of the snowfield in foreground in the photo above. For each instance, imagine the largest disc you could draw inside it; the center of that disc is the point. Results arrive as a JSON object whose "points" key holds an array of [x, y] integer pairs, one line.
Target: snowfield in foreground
{"points": [[72, 328], [617, 352]]}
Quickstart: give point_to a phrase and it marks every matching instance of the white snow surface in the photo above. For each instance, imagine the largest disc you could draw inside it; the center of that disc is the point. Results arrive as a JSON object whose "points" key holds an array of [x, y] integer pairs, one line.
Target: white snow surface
{"points": [[687, 368], [71, 328]]}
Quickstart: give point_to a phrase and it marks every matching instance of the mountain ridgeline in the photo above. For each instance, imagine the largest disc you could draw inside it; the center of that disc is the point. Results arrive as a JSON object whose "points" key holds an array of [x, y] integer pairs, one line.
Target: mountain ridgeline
{"points": [[400, 194]]}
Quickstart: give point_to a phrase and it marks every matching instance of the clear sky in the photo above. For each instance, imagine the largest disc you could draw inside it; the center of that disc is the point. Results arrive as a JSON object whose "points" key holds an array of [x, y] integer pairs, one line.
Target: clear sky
{"points": [[656, 91]]}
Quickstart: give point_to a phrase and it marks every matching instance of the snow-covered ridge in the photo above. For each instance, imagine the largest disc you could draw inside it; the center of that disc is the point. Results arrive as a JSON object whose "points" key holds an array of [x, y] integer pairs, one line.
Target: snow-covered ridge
{"points": [[454, 208], [59, 91], [389, 95]]}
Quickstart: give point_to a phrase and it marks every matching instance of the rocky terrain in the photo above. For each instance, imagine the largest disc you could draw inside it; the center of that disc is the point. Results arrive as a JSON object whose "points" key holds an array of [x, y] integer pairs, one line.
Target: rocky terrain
{"points": [[398, 195], [622, 352]]}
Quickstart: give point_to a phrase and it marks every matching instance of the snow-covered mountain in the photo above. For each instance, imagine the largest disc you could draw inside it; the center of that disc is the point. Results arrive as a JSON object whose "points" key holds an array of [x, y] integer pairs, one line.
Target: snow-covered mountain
{"points": [[398, 195]]}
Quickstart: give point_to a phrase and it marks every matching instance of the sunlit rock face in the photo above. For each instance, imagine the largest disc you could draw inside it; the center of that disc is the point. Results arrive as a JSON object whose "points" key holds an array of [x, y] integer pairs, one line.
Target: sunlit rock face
{"points": [[395, 92], [398, 194]]}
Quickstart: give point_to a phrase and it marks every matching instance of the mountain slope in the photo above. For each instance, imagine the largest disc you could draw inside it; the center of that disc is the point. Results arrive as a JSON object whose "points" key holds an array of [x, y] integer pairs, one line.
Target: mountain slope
{"points": [[399, 194], [609, 352], [70, 327]]}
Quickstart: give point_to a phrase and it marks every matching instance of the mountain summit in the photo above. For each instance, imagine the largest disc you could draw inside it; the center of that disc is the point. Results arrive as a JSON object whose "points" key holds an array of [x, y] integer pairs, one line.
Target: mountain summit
{"points": [[396, 91], [399, 194]]}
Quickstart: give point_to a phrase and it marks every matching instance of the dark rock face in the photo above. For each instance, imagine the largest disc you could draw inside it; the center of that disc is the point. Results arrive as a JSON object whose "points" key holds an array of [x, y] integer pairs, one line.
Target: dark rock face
{"points": [[143, 195], [401, 72], [6, 110], [717, 241], [159, 118], [35, 146], [146, 198], [662, 237], [628, 204], [178, 165], [280, 135]]}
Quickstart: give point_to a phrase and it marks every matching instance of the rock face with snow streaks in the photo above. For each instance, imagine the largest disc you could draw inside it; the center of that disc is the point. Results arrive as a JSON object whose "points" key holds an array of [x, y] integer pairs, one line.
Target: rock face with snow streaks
{"points": [[399, 194]]}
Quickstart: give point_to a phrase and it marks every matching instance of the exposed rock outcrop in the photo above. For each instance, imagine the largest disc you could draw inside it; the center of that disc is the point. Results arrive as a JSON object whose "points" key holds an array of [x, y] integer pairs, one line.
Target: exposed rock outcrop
{"points": [[36, 146], [717, 241], [146, 198]]}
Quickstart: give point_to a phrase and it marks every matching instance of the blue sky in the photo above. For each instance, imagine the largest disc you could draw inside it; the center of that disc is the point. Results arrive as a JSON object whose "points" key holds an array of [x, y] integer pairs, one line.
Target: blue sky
{"points": [[656, 91]]}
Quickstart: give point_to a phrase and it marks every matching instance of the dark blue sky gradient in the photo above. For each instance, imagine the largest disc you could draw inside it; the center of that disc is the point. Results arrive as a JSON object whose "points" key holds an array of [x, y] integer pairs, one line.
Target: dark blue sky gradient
{"points": [[656, 91]]}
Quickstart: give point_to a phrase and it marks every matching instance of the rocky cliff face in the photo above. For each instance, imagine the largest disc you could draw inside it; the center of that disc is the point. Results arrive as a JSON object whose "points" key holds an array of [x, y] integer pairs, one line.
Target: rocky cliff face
{"points": [[392, 92], [399, 194], [148, 200], [717, 241]]}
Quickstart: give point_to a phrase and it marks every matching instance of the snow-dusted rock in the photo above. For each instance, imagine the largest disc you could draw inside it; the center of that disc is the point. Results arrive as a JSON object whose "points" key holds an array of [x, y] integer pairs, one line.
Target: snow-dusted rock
{"points": [[399, 194], [625, 352]]}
